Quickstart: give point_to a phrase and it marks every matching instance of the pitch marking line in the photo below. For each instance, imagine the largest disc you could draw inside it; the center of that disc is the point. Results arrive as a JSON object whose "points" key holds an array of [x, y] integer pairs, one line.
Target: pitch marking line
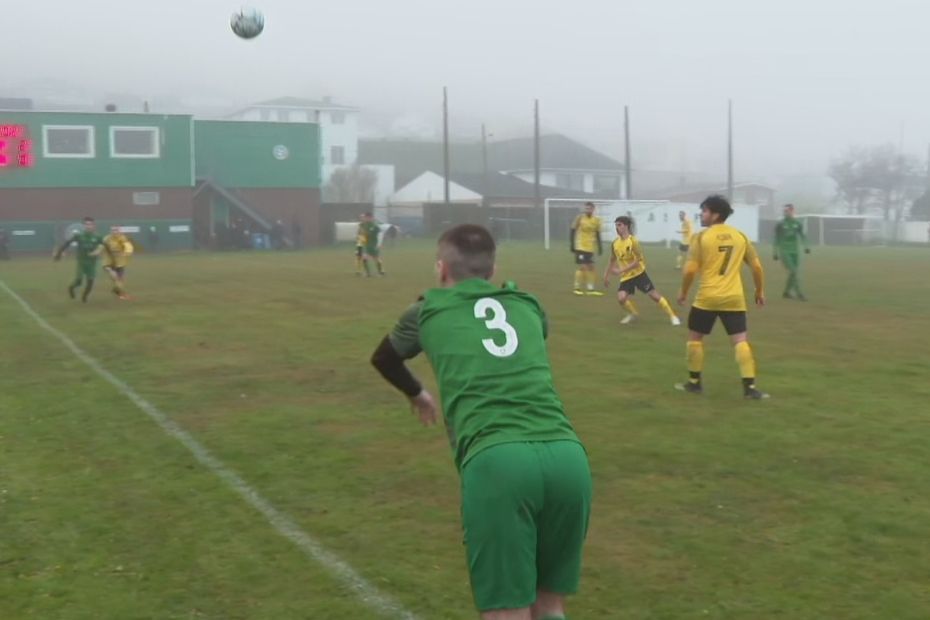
{"points": [[283, 524]]}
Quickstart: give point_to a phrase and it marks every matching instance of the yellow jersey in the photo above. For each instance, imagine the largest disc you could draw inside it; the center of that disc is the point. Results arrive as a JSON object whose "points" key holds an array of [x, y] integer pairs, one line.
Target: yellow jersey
{"points": [[587, 229], [719, 253], [686, 231], [361, 238], [628, 251], [120, 248]]}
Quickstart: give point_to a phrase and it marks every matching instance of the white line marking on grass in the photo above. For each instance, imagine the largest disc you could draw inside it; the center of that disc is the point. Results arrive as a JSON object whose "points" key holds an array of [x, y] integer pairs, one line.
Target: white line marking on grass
{"points": [[366, 592]]}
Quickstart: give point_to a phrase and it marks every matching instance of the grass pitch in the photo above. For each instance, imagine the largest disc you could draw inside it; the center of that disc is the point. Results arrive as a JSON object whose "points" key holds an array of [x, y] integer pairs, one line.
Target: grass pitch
{"points": [[810, 505]]}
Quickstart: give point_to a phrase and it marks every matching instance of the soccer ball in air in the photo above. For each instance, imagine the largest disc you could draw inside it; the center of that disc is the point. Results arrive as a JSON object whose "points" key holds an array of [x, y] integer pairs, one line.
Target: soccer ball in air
{"points": [[247, 23]]}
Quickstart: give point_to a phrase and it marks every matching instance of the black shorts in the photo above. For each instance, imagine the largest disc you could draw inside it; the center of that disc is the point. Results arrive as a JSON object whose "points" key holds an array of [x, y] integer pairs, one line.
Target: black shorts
{"points": [[702, 321], [683, 247], [584, 258], [641, 282], [359, 250]]}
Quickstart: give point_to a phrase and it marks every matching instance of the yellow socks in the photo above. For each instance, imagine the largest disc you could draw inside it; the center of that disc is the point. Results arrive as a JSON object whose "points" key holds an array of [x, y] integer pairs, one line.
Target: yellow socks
{"points": [[695, 360], [666, 307], [579, 279], [630, 307], [590, 278], [744, 357]]}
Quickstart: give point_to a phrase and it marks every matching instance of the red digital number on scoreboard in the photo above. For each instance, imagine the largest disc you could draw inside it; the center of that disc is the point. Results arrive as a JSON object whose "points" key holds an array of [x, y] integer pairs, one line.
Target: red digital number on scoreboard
{"points": [[15, 147]]}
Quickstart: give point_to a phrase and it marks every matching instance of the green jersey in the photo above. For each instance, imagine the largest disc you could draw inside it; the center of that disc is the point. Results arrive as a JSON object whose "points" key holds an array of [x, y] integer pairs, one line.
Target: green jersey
{"points": [[487, 346], [86, 243], [788, 233], [371, 230]]}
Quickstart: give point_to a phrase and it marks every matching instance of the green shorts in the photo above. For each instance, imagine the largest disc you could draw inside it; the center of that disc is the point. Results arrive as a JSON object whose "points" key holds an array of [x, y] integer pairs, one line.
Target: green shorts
{"points": [[525, 510], [372, 252], [86, 269]]}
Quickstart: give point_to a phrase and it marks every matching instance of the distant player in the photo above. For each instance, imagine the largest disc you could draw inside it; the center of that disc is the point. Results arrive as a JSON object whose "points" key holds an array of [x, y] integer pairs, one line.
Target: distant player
{"points": [[360, 241], [627, 259], [716, 256], [89, 246], [525, 479], [789, 237], [585, 241], [372, 248], [686, 231], [119, 248]]}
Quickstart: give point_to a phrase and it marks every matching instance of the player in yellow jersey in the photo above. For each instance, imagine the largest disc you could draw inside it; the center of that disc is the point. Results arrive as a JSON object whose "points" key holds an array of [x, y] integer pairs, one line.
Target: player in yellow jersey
{"points": [[716, 256], [119, 248], [628, 261], [686, 231], [585, 241], [361, 239]]}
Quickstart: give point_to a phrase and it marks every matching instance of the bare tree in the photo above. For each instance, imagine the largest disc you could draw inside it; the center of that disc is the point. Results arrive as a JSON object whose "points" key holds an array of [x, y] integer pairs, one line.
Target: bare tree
{"points": [[351, 184], [878, 177]]}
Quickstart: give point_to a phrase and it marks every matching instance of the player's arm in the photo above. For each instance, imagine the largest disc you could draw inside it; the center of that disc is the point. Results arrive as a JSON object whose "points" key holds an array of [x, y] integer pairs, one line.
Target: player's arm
{"points": [[571, 235], [389, 359], [690, 270], [807, 247], [777, 241], [64, 246], [758, 275], [597, 237], [611, 265]]}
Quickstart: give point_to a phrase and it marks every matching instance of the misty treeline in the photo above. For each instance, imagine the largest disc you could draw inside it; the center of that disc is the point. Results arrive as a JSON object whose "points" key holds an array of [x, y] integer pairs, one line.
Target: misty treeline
{"points": [[882, 178], [355, 184]]}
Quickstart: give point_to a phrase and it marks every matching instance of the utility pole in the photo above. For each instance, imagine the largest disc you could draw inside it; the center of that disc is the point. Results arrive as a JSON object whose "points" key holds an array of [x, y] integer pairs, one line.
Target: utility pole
{"points": [[484, 162], [628, 165], [445, 145], [730, 150], [536, 155]]}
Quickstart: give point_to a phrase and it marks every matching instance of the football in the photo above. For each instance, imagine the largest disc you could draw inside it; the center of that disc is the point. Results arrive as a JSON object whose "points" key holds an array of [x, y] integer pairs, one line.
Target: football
{"points": [[247, 23]]}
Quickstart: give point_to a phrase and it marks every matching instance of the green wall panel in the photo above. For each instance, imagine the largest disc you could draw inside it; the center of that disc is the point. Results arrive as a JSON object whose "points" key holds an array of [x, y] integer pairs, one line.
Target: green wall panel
{"points": [[257, 155]]}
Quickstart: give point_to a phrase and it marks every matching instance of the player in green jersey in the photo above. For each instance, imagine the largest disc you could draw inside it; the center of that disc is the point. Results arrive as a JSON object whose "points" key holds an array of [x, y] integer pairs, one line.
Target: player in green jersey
{"points": [[526, 484], [789, 237], [372, 248], [89, 246]]}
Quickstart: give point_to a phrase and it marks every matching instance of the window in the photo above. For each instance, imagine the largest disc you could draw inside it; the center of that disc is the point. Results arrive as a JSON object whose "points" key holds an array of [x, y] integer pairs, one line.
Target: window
{"points": [[570, 181], [264, 115], [337, 118], [134, 142], [337, 155], [607, 184], [146, 199], [68, 141], [284, 116]]}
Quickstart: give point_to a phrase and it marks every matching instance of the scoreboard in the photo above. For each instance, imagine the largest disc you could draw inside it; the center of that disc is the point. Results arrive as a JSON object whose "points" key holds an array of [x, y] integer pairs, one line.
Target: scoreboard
{"points": [[15, 147]]}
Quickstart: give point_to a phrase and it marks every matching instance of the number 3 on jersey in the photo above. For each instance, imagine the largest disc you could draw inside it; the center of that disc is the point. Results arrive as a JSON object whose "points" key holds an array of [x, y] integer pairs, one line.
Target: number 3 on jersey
{"points": [[496, 322]]}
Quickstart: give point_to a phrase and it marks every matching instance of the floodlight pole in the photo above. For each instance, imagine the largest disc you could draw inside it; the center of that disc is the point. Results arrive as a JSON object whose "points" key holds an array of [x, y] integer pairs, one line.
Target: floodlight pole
{"points": [[730, 150], [536, 155], [445, 145], [628, 164], [484, 163]]}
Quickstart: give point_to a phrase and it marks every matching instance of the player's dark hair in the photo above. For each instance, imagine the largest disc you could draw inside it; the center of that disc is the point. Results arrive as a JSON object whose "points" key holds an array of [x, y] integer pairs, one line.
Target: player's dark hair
{"points": [[719, 205], [366, 214], [589, 204], [468, 250], [88, 219], [626, 220]]}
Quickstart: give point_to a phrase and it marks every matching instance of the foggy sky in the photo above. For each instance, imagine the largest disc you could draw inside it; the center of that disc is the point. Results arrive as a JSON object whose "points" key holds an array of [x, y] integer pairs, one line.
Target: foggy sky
{"points": [[808, 77]]}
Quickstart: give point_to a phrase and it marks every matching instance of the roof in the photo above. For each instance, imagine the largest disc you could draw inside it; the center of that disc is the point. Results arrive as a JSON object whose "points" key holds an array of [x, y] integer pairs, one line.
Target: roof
{"points": [[707, 189], [411, 158], [507, 186], [298, 102], [556, 151]]}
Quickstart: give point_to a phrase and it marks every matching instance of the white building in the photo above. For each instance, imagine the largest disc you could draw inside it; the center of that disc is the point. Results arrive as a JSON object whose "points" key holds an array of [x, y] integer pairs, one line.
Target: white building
{"points": [[338, 125]]}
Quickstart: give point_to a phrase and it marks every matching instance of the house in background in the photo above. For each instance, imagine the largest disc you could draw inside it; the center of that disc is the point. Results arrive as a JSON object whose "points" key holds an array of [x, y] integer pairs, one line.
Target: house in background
{"points": [[338, 125], [565, 163], [755, 194]]}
